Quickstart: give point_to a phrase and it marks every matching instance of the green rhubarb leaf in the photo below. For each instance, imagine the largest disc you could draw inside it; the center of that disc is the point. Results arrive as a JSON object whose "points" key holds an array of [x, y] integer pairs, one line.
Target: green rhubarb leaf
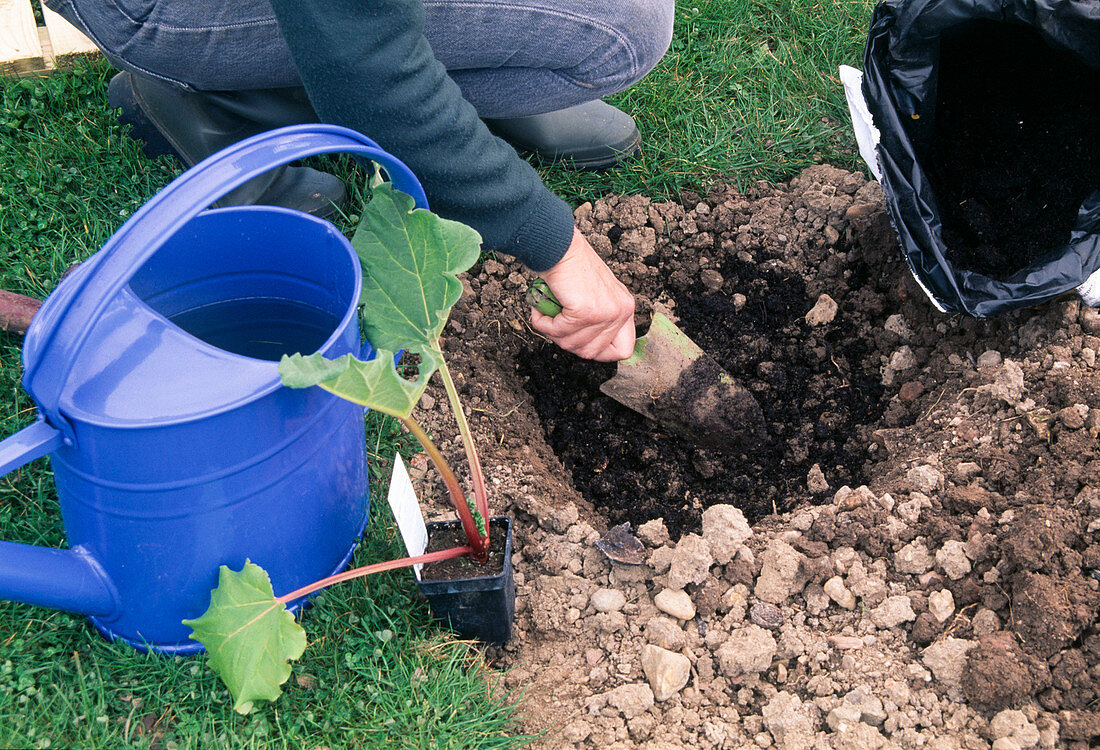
{"points": [[374, 384], [249, 636], [410, 259]]}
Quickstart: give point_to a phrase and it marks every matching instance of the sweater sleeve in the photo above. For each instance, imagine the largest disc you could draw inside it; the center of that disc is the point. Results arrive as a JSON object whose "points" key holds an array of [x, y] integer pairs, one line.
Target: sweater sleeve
{"points": [[367, 65]]}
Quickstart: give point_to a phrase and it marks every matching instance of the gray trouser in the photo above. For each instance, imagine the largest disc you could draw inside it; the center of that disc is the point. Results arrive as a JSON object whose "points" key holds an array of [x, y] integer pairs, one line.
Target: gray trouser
{"points": [[509, 57]]}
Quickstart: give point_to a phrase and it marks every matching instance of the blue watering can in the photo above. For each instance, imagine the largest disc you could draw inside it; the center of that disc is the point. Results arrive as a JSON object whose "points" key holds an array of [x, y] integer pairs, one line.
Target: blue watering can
{"points": [[174, 446]]}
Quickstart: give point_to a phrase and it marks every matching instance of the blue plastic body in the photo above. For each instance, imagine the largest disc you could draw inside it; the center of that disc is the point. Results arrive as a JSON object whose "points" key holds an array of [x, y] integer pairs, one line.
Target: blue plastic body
{"points": [[175, 447]]}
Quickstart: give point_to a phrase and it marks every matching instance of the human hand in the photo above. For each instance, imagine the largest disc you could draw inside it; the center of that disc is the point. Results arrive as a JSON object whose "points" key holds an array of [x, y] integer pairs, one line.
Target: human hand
{"points": [[597, 317]]}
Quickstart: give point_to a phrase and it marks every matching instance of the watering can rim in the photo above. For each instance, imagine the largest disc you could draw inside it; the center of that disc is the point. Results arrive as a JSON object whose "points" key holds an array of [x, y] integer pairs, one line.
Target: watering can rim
{"points": [[257, 392], [60, 337]]}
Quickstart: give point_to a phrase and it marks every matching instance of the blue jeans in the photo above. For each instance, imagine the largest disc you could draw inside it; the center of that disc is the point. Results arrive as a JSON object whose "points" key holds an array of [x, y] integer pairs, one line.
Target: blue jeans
{"points": [[510, 58]]}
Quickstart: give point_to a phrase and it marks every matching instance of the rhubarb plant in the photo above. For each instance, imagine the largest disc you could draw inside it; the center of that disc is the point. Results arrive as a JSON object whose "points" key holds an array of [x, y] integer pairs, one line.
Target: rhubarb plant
{"points": [[410, 259]]}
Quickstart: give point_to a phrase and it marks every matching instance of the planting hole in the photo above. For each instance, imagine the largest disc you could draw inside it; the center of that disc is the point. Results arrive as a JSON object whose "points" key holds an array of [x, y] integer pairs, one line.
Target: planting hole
{"points": [[819, 387]]}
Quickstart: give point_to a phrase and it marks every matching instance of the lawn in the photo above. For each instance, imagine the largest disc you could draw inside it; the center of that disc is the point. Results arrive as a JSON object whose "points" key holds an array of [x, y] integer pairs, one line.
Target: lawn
{"points": [[747, 92]]}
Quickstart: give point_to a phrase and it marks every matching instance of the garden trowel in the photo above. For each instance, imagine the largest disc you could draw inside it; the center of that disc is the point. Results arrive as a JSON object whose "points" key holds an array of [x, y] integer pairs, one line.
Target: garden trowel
{"points": [[672, 381]]}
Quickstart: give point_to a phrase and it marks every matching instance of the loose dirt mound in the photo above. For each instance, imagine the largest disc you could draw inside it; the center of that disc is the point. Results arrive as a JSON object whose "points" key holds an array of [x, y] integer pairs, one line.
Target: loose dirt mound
{"points": [[921, 566]]}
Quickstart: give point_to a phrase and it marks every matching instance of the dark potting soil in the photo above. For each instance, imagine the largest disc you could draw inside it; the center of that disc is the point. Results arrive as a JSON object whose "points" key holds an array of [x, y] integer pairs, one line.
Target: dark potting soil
{"points": [[814, 388], [1016, 146], [450, 535]]}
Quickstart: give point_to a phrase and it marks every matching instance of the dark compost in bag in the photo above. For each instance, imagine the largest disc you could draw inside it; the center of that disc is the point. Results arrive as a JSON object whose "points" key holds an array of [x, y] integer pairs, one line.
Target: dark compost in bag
{"points": [[988, 116]]}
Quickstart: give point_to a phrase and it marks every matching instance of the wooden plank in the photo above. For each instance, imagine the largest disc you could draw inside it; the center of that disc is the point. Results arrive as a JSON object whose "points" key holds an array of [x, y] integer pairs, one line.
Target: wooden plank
{"points": [[20, 50], [65, 39]]}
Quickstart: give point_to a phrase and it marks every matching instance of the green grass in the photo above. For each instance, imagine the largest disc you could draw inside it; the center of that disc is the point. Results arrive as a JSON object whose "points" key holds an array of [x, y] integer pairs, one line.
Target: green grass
{"points": [[747, 92]]}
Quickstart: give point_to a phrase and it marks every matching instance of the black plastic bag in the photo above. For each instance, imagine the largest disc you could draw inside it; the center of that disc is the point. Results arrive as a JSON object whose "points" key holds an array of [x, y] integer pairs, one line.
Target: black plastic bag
{"points": [[901, 68]]}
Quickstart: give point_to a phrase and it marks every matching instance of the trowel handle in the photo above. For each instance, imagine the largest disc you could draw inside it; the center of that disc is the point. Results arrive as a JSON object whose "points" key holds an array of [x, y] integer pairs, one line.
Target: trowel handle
{"points": [[541, 298], [57, 335]]}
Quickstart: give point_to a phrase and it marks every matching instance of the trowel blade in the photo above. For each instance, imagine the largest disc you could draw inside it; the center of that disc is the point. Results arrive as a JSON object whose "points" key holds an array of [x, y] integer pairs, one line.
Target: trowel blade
{"points": [[672, 381]]}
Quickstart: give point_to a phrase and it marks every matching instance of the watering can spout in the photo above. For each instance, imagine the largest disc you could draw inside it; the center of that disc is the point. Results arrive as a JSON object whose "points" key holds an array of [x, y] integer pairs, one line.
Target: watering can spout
{"points": [[60, 579]]}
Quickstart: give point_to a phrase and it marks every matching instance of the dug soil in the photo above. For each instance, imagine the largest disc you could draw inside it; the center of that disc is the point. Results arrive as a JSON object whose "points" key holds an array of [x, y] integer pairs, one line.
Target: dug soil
{"points": [[908, 558]]}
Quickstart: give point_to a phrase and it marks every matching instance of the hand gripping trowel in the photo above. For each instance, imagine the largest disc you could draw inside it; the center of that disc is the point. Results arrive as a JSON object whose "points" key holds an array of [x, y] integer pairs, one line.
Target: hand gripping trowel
{"points": [[670, 380]]}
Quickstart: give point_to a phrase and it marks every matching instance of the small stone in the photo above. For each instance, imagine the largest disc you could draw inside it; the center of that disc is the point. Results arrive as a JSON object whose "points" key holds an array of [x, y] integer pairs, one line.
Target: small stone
{"points": [[911, 391], [952, 560], [845, 642], [789, 721], [843, 714], [817, 601], [667, 671], [691, 561], [929, 579], [621, 546], [1073, 417], [989, 358], [815, 480], [675, 602], [870, 706], [966, 470], [748, 650], [607, 600], [984, 622], [630, 700], [666, 633], [725, 531], [823, 312], [1090, 320], [839, 593], [925, 479], [593, 656], [941, 604], [735, 602], [782, 573], [1014, 724], [660, 560], [901, 361], [893, 612], [897, 325], [711, 279], [766, 615], [946, 659], [654, 533], [739, 301], [914, 558]]}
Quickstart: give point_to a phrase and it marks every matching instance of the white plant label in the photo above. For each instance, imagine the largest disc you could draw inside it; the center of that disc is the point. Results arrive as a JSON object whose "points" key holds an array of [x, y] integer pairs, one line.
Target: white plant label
{"points": [[406, 511]]}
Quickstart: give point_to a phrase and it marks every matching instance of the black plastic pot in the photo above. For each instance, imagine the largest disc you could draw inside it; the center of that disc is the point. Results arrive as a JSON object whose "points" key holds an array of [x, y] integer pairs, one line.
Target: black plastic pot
{"points": [[481, 607]]}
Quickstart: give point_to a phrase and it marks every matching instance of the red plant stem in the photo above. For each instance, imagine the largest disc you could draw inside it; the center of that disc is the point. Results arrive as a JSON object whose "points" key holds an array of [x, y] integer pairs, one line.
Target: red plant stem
{"points": [[481, 496], [479, 543], [366, 570]]}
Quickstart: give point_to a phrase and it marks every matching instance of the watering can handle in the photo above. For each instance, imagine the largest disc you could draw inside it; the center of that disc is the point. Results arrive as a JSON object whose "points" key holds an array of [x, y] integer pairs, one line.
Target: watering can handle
{"points": [[58, 338]]}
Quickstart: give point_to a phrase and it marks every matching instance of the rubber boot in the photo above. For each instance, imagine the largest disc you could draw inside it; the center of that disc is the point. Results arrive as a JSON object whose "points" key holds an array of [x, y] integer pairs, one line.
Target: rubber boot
{"points": [[192, 125], [590, 136]]}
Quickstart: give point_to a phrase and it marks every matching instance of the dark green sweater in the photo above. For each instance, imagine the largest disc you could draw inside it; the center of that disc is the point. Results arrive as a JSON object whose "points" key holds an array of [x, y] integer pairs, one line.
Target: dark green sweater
{"points": [[366, 65]]}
